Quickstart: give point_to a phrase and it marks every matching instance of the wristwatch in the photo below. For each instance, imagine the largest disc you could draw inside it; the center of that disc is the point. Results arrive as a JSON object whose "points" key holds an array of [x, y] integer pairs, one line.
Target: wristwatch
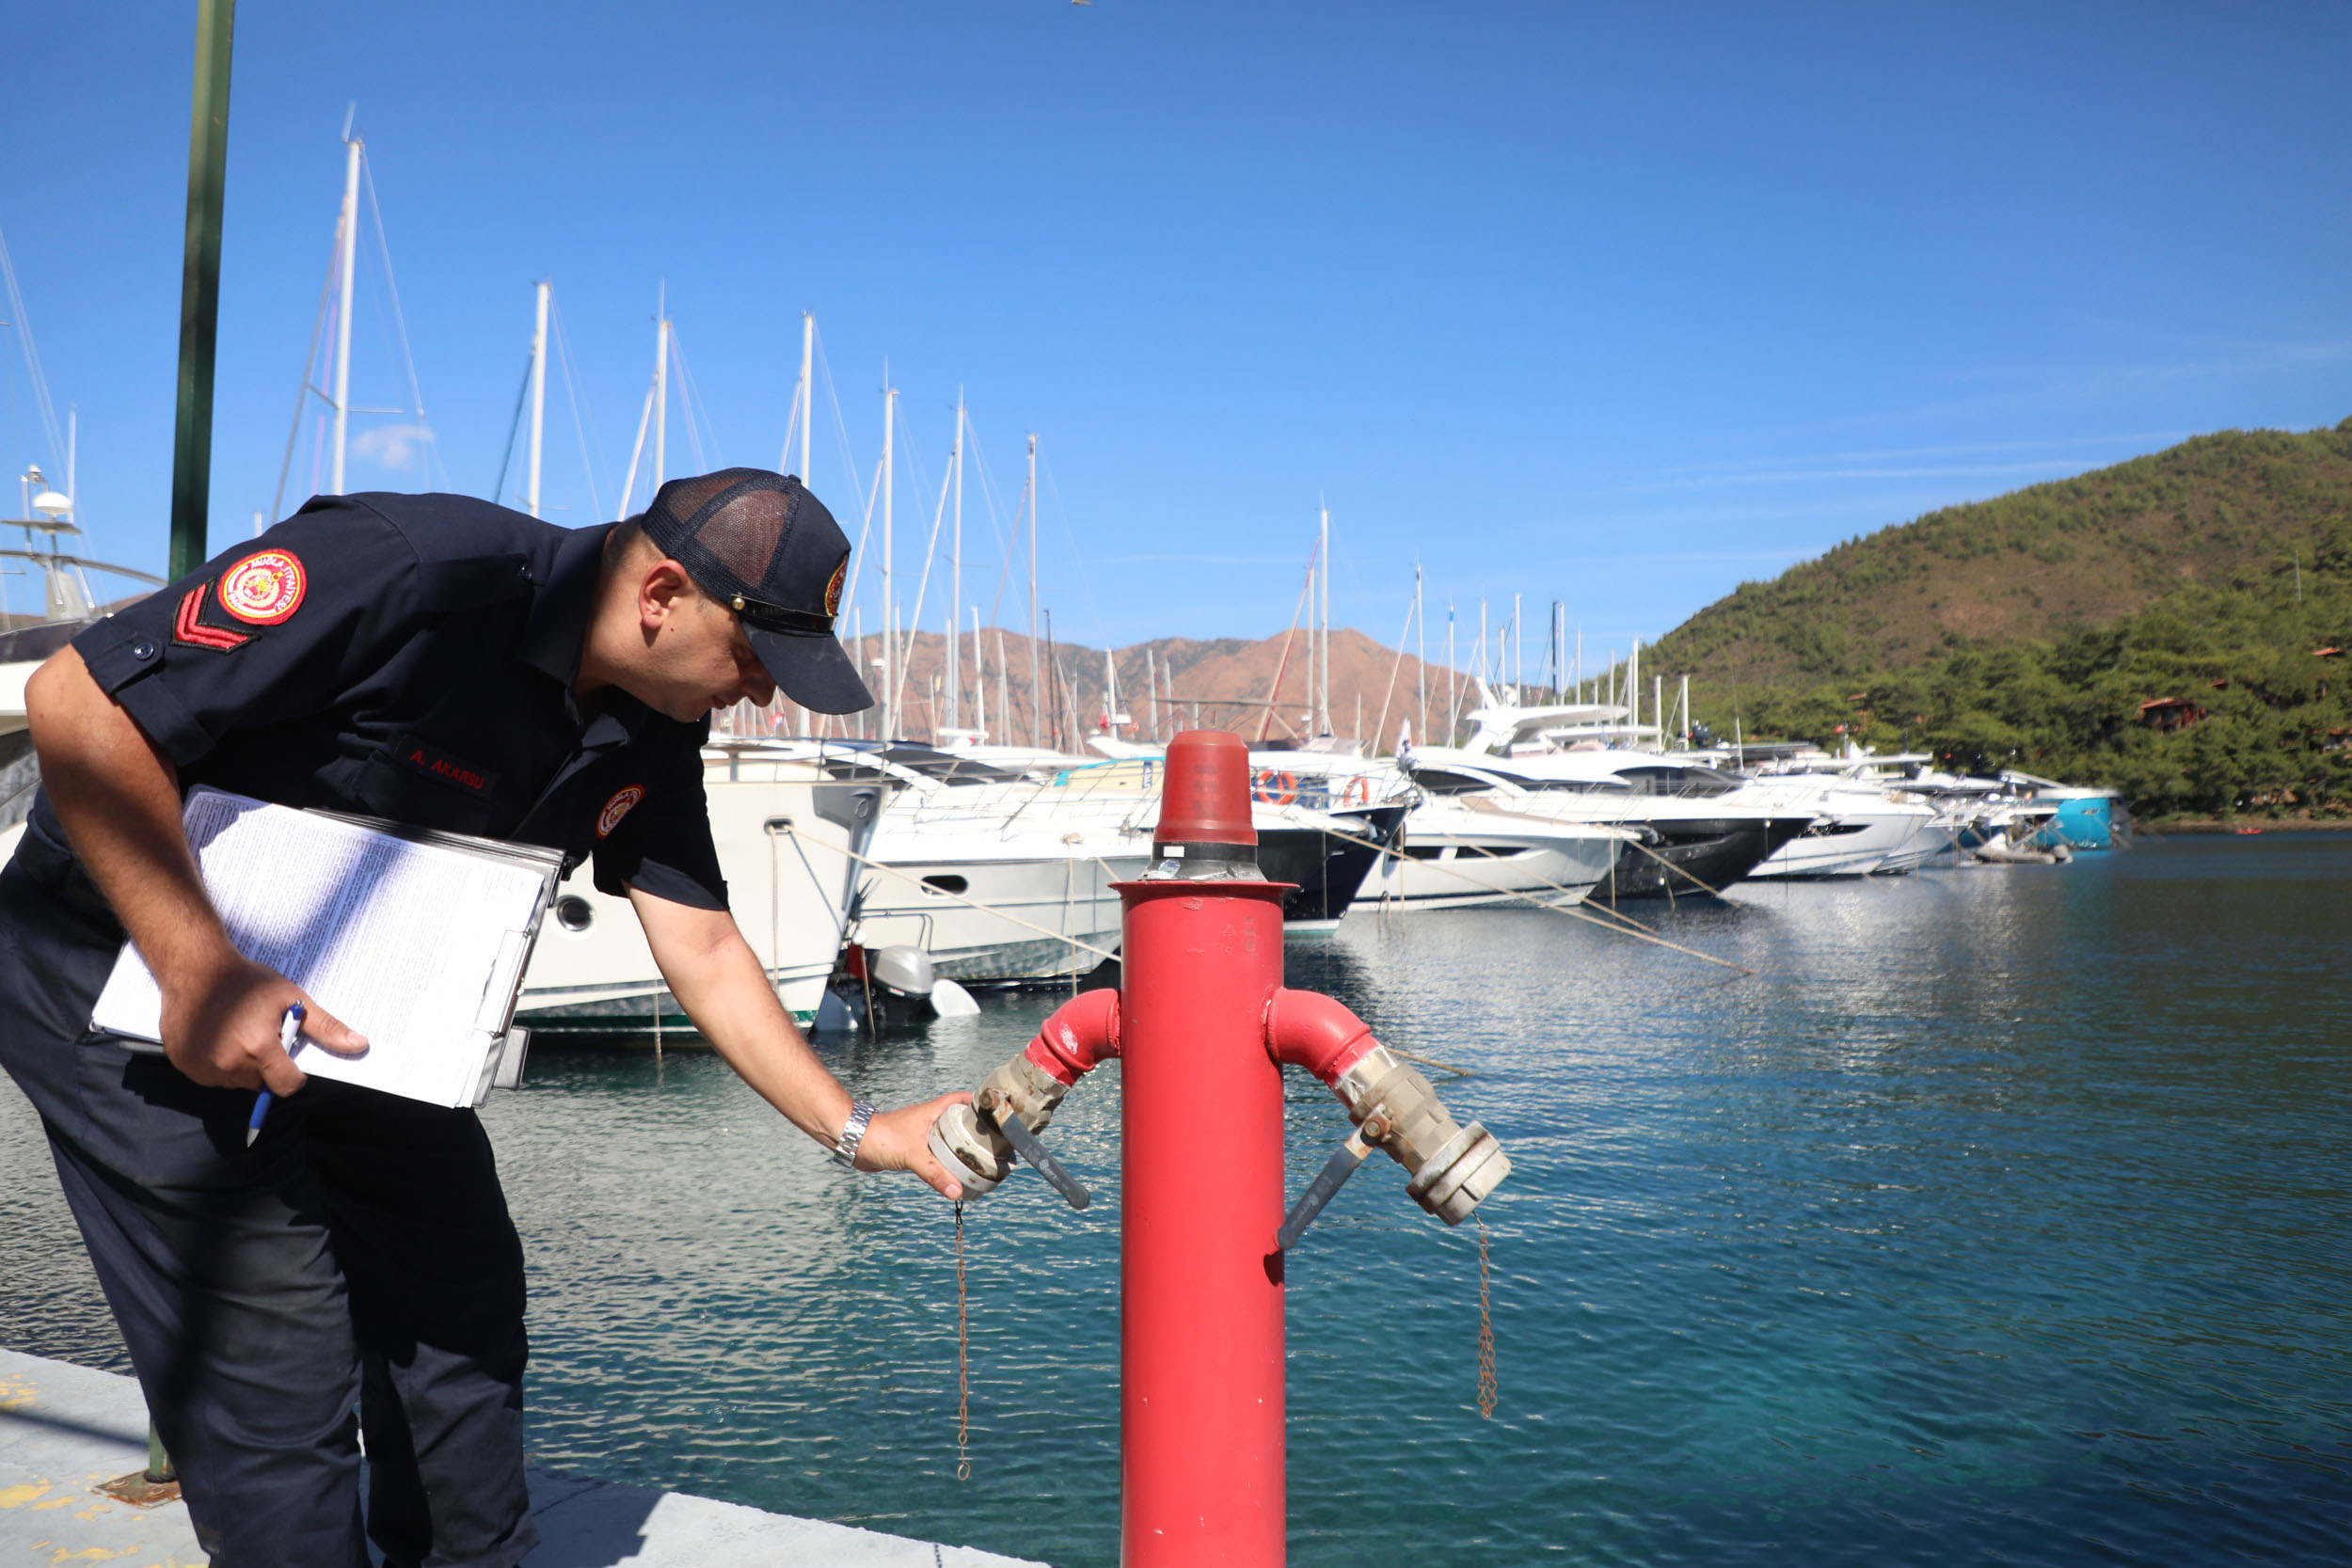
{"points": [[853, 1135]]}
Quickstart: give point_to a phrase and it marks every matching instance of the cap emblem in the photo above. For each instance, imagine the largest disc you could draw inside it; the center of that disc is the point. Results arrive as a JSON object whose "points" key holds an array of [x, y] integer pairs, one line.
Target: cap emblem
{"points": [[265, 588], [832, 587], [617, 808]]}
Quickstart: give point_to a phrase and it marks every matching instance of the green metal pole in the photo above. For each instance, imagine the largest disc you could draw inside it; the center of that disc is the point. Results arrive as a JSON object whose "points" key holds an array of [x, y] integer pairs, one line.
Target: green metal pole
{"points": [[200, 287], [159, 1469]]}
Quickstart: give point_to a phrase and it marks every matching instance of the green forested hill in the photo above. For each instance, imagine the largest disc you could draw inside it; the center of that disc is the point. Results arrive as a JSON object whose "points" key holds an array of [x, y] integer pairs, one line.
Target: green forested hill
{"points": [[2028, 630]]}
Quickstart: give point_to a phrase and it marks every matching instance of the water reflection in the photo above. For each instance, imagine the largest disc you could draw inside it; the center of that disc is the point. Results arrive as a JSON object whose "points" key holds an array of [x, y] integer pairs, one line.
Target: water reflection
{"points": [[1999, 1215]]}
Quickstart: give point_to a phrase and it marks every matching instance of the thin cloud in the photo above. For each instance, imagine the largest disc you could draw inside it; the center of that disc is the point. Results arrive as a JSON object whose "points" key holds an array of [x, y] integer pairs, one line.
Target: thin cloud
{"points": [[393, 446]]}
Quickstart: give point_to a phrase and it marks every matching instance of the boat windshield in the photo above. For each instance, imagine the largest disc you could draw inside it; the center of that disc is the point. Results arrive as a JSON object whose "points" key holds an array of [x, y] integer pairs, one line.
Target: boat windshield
{"points": [[850, 767], [1682, 781]]}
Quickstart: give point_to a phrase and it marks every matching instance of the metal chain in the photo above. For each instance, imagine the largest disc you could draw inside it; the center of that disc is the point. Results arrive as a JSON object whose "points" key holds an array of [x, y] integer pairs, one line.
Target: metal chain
{"points": [[964, 1364], [1486, 1330]]}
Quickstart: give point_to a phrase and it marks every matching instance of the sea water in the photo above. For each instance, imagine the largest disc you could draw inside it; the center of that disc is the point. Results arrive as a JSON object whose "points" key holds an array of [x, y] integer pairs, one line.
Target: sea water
{"points": [[2001, 1215]]}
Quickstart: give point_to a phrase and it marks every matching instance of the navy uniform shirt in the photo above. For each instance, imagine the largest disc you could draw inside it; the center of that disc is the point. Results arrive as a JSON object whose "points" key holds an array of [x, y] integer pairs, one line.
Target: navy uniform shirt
{"points": [[412, 658]]}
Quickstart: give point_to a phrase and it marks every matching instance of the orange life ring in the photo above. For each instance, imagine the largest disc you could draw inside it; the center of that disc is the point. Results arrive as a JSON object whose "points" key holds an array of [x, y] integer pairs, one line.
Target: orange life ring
{"points": [[1274, 790], [1358, 793]]}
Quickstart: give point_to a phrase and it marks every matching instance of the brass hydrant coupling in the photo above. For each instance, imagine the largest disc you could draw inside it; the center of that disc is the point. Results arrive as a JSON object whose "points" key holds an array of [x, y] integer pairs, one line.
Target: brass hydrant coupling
{"points": [[1452, 1167]]}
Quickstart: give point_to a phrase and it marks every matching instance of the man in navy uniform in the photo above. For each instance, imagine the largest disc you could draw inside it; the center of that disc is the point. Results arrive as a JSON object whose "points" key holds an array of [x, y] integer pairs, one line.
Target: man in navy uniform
{"points": [[445, 662]]}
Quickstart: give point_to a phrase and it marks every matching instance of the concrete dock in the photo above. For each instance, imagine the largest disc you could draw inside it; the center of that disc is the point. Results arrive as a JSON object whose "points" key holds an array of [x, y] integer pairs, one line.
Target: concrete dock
{"points": [[64, 1429]]}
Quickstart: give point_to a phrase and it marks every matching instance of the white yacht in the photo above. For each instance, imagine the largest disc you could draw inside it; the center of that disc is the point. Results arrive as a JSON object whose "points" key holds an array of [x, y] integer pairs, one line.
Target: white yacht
{"points": [[789, 835], [1698, 827], [1323, 815], [1469, 851], [997, 876], [1461, 850]]}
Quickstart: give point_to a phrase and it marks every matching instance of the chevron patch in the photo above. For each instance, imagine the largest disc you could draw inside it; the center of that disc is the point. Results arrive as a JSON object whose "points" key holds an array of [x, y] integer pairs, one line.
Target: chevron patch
{"points": [[186, 628]]}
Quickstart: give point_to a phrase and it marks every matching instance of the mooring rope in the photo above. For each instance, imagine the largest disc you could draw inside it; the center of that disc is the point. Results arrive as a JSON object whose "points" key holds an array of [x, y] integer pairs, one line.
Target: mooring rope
{"points": [[1569, 911]]}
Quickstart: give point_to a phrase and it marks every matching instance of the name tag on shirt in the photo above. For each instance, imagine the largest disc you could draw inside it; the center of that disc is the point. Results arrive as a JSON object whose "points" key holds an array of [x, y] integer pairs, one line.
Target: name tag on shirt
{"points": [[422, 756]]}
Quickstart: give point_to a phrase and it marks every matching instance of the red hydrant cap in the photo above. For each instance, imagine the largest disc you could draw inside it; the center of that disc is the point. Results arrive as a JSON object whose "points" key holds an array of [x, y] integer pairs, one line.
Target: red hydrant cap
{"points": [[1206, 798]]}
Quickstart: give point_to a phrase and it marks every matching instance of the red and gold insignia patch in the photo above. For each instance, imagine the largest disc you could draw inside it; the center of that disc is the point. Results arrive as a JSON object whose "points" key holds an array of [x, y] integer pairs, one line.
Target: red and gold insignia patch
{"points": [[832, 587], [265, 588], [617, 808]]}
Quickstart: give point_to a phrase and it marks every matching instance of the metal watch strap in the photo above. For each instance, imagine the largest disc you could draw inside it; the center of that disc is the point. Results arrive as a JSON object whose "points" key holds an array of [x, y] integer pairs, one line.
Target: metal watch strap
{"points": [[853, 1135]]}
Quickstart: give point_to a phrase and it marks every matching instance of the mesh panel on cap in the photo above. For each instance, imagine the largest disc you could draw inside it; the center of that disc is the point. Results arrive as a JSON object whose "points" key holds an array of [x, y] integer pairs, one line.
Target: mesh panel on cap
{"points": [[745, 533]]}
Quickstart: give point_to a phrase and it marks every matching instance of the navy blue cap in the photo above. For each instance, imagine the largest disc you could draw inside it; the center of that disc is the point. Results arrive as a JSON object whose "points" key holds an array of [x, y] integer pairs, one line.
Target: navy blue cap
{"points": [[761, 545]]}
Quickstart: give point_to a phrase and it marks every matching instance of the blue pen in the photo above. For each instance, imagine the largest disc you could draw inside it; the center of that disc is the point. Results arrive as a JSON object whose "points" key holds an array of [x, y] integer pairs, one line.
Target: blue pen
{"points": [[289, 1040]]}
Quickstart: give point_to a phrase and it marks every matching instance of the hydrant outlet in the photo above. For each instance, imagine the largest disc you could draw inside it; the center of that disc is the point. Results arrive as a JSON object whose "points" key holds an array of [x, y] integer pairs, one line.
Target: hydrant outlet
{"points": [[1452, 1167], [1080, 1035]]}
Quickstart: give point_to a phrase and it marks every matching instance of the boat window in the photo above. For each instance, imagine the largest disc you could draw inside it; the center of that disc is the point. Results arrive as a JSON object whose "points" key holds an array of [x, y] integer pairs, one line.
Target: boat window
{"points": [[1678, 781], [947, 882], [1426, 852], [1439, 780]]}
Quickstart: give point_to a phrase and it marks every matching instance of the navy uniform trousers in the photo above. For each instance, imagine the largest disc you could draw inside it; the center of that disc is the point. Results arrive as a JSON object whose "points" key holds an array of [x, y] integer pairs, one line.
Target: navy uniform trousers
{"points": [[354, 1272]]}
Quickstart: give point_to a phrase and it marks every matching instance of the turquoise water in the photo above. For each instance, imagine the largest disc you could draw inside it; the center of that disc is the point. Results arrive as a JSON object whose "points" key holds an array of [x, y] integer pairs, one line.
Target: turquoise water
{"points": [[1999, 1217]]}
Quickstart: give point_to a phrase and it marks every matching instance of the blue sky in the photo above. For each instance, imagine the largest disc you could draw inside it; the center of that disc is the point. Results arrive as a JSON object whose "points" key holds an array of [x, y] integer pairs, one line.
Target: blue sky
{"points": [[1617, 306]]}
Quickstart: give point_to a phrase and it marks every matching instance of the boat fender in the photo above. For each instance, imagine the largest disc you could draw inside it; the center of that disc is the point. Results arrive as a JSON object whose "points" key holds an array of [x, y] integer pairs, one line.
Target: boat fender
{"points": [[949, 1000]]}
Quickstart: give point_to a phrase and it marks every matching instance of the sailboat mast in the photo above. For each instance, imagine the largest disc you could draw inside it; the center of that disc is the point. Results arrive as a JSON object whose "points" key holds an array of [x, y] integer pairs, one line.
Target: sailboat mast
{"points": [[349, 224], [1634, 686], [1323, 689], [538, 394], [662, 386], [1420, 662], [890, 606], [1037, 687], [979, 676], [955, 582], [808, 386]]}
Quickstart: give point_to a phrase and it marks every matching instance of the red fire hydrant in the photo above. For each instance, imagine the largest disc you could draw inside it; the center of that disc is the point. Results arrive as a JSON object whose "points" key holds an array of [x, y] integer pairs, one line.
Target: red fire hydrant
{"points": [[1203, 1027]]}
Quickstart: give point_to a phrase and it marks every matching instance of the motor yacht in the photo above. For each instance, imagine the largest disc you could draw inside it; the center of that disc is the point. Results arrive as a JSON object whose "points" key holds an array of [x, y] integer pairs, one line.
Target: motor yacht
{"points": [[791, 838]]}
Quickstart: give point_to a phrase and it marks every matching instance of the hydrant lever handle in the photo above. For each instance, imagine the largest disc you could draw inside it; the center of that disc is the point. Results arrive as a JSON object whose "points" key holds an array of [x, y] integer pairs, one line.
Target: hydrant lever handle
{"points": [[1024, 1141], [1322, 1190]]}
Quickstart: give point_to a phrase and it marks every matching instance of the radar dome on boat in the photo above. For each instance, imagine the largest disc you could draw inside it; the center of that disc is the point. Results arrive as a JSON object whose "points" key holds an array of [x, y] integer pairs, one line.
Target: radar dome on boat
{"points": [[50, 503]]}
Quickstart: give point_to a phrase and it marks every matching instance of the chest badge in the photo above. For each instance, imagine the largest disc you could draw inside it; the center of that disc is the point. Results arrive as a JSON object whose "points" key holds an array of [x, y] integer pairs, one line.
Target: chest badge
{"points": [[617, 808], [265, 588]]}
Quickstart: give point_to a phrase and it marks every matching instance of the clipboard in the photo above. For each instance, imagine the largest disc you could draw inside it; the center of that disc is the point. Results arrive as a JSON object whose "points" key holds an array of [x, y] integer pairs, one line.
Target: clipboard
{"points": [[416, 937]]}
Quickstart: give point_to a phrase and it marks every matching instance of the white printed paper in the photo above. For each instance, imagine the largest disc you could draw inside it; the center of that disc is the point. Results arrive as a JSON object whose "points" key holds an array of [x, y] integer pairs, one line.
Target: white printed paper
{"points": [[416, 945]]}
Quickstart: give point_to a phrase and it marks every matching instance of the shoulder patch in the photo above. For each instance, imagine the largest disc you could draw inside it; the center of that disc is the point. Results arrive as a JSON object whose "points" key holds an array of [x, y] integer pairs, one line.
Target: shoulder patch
{"points": [[265, 588], [617, 808], [186, 627]]}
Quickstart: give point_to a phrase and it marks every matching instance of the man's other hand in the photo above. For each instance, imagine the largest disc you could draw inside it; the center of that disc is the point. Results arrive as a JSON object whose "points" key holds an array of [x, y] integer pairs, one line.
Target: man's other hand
{"points": [[221, 1027], [900, 1140]]}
